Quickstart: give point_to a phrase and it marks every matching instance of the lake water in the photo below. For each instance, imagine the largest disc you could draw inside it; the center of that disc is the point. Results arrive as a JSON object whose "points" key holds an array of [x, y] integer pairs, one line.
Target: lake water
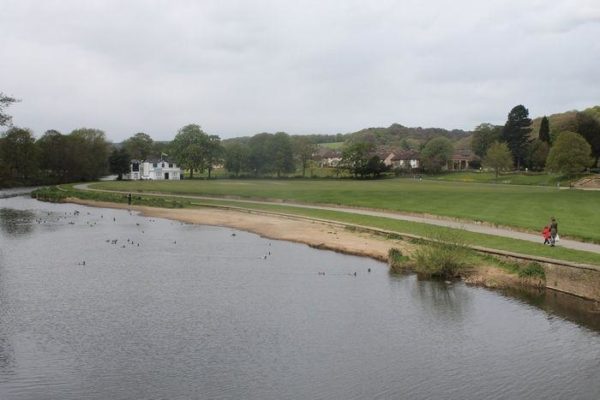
{"points": [[198, 312]]}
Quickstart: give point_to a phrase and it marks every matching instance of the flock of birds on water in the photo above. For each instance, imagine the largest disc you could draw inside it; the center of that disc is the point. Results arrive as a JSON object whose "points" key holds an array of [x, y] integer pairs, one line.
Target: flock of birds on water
{"points": [[129, 242]]}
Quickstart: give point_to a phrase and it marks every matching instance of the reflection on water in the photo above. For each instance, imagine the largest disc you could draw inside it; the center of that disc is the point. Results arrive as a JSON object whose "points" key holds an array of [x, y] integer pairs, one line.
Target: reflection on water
{"points": [[572, 308], [16, 222], [162, 309]]}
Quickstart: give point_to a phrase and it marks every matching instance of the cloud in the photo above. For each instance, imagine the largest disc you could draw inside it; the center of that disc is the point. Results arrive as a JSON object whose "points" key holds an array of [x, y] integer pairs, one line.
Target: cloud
{"points": [[242, 67]]}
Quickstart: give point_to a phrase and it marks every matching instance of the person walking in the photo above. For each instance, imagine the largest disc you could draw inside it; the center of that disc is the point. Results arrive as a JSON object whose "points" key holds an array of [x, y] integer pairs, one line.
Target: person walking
{"points": [[546, 234], [553, 231]]}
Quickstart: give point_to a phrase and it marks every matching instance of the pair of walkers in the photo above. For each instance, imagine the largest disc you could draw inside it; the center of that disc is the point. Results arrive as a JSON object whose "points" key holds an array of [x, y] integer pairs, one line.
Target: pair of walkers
{"points": [[550, 232]]}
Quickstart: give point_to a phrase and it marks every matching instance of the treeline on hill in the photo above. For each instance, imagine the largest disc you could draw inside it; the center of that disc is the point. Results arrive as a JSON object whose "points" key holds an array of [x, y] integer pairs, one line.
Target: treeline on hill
{"points": [[568, 143]]}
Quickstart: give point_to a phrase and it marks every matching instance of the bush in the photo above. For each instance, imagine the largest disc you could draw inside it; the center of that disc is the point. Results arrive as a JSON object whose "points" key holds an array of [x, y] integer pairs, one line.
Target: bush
{"points": [[445, 256], [398, 262], [49, 194]]}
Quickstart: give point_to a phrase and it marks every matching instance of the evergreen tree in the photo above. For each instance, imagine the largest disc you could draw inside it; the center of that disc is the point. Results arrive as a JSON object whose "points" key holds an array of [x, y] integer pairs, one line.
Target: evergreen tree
{"points": [[516, 133], [544, 134]]}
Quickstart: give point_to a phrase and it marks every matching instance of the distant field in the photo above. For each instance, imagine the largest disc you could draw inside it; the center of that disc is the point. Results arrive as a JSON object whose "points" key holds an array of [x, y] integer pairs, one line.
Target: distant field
{"points": [[519, 206], [332, 145]]}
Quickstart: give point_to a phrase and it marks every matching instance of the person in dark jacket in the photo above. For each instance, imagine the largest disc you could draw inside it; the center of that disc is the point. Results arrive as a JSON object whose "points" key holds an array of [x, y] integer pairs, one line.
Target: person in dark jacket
{"points": [[553, 231]]}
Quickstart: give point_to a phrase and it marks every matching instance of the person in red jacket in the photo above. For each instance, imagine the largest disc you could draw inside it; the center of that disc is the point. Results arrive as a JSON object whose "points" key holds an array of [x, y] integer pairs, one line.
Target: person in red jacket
{"points": [[546, 234]]}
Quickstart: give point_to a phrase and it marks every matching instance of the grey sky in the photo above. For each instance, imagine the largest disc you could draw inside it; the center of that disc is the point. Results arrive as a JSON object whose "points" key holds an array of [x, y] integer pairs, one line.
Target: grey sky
{"points": [[242, 67]]}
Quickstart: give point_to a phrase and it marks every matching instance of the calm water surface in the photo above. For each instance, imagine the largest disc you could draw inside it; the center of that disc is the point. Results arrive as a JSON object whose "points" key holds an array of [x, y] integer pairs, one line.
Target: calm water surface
{"points": [[199, 312]]}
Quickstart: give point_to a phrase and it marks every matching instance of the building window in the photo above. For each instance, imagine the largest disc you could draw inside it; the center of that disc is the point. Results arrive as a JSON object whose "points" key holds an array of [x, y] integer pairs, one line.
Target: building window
{"points": [[170, 165], [163, 165], [155, 165]]}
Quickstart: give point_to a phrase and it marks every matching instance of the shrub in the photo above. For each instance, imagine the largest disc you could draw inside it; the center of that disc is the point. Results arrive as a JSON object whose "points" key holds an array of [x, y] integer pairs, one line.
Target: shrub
{"points": [[398, 262], [445, 256]]}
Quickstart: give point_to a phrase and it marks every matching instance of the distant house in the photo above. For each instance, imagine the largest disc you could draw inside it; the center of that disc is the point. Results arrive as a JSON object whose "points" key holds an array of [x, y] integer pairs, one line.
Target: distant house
{"points": [[329, 158], [461, 159], [405, 159], [157, 169]]}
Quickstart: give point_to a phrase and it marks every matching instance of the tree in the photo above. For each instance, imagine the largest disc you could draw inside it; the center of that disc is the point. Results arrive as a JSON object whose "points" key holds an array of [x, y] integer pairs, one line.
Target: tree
{"points": [[52, 148], [213, 152], [483, 137], [589, 128], [119, 162], [375, 166], [570, 154], [19, 154], [5, 101], [139, 146], [281, 154], [87, 154], [236, 157], [436, 154], [498, 158], [544, 134], [303, 151], [355, 157], [516, 133], [188, 148], [259, 160], [537, 154]]}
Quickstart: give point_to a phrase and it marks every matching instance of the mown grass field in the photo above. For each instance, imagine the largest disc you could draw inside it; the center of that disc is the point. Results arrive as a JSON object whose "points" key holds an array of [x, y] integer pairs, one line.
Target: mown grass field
{"points": [[509, 178], [524, 207]]}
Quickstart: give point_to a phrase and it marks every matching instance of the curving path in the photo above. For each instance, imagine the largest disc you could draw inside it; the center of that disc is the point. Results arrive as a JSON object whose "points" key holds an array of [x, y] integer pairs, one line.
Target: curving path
{"points": [[468, 226]]}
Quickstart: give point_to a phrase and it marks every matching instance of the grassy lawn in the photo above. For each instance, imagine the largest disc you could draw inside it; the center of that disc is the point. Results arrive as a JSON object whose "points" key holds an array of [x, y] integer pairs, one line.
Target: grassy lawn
{"points": [[527, 207], [400, 227], [509, 178]]}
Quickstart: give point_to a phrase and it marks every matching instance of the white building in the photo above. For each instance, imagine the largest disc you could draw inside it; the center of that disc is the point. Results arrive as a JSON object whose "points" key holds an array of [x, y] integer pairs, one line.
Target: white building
{"points": [[154, 170]]}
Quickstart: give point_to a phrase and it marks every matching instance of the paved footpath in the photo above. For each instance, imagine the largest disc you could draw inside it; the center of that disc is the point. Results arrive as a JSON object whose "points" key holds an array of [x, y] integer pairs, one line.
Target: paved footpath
{"points": [[467, 226]]}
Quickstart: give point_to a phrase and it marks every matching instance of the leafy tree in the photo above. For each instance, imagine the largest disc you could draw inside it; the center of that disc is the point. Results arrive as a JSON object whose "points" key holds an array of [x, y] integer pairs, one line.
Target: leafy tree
{"points": [[139, 146], [281, 154], [236, 157], [375, 166], [544, 134], [119, 162], [213, 152], [516, 133], [52, 147], [87, 153], [355, 157], [436, 153], [5, 101], [537, 154], [570, 154], [498, 158], [589, 128], [259, 154], [188, 148], [303, 151], [483, 137], [19, 154]]}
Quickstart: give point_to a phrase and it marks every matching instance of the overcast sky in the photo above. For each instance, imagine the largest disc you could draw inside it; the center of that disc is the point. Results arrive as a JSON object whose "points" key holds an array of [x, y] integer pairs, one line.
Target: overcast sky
{"points": [[242, 67]]}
